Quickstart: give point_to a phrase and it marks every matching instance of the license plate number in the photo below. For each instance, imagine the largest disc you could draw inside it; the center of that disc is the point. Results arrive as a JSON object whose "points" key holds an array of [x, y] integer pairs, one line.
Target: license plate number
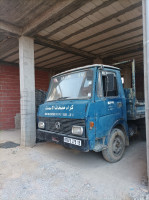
{"points": [[72, 141]]}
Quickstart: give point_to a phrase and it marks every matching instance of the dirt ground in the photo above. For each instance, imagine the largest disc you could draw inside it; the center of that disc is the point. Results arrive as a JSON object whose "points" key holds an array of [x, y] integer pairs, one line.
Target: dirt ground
{"points": [[50, 172]]}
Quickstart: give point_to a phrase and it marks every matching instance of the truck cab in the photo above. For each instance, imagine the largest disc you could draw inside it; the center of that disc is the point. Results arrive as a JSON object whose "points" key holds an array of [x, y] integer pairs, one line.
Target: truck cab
{"points": [[85, 109]]}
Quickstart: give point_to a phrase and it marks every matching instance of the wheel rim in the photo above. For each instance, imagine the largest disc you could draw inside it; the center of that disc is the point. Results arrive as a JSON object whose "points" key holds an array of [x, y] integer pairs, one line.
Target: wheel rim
{"points": [[117, 146]]}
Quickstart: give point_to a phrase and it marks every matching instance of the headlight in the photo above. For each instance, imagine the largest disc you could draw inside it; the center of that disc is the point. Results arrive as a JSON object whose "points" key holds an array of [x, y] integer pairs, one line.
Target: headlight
{"points": [[77, 130], [41, 125]]}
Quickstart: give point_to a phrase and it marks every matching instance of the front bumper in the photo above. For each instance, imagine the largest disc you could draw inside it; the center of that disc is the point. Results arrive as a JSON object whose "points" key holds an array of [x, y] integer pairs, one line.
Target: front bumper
{"points": [[59, 139]]}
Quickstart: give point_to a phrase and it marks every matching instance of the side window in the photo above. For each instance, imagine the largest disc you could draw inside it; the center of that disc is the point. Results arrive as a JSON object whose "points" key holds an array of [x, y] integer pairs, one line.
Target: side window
{"points": [[109, 83]]}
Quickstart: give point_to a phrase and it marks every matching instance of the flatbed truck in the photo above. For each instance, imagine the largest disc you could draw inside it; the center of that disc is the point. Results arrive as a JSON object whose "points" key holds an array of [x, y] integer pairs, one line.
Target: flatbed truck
{"points": [[87, 109]]}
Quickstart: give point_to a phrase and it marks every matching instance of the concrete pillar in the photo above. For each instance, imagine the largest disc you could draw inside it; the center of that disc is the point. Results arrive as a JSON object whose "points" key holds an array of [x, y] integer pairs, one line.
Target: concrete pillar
{"points": [[27, 91], [145, 12], [98, 61]]}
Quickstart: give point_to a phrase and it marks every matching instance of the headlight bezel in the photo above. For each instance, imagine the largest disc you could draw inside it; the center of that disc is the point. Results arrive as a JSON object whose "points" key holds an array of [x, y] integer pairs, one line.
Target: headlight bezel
{"points": [[41, 125], [74, 132]]}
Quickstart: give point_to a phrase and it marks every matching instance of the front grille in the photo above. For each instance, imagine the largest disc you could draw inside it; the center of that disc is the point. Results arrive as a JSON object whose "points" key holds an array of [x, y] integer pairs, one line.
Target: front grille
{"points": [[52, 124]]}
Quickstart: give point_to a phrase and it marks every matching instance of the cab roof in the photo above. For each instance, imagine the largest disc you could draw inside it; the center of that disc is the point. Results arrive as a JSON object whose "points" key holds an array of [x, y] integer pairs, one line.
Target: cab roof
{"points": [[88, 66]]}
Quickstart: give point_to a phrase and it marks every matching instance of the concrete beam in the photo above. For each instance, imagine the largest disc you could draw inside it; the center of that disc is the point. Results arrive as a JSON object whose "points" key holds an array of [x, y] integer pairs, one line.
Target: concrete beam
{"points": [[57, 12], [27, 91], [61, 46], [102, 21], [97, 60], [10, 29], [71, 65], [146, 71]]}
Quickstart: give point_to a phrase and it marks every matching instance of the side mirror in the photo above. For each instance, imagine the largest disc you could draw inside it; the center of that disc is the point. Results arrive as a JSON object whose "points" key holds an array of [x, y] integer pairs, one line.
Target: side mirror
{"points": [[110, 82]]}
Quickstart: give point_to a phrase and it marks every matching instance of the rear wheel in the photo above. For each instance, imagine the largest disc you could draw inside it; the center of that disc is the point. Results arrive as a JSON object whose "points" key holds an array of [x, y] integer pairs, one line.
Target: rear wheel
{"points": [[116, 146]]}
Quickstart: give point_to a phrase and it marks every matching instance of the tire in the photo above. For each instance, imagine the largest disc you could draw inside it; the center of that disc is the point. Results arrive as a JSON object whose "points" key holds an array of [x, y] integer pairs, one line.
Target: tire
{"points": [[116, 146]]}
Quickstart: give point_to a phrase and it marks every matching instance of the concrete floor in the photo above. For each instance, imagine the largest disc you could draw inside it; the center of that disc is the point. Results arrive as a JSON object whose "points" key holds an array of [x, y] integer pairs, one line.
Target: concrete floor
{"points": [[49, 171]]}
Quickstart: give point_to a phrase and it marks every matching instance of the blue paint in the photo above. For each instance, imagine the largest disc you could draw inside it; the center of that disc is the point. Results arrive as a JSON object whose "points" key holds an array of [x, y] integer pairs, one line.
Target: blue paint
{"points": [[135, 109], [106, 112], [64, 109]]}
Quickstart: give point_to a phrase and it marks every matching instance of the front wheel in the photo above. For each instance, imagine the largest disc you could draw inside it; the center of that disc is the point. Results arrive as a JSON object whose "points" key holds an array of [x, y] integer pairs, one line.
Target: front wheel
{"points": [[116, 146]]}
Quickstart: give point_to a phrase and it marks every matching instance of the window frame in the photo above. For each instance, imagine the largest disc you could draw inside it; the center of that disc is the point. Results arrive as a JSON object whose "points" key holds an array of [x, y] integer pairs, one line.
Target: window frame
{"points": [[101, 93], [64, 74]]}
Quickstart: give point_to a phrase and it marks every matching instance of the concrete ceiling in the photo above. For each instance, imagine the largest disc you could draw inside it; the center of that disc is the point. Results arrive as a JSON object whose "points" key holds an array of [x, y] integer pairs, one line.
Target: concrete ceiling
{"points": [[71, 33]]}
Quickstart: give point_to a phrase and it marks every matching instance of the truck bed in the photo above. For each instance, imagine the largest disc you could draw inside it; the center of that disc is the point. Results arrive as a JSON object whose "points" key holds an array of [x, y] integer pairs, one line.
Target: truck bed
{"points": [[135, 108]]}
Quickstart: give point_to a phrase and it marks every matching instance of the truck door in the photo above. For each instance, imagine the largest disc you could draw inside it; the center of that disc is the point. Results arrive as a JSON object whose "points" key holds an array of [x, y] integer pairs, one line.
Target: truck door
{"points": [[108, 102]]}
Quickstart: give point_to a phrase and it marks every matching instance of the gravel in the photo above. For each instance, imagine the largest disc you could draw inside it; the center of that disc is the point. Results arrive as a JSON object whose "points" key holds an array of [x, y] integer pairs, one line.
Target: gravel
{"points": [[49, 171]]}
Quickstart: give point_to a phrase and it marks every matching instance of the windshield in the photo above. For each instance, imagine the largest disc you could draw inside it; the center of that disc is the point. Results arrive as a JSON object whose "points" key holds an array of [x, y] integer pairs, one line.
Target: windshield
{"points": [[76, 85]]}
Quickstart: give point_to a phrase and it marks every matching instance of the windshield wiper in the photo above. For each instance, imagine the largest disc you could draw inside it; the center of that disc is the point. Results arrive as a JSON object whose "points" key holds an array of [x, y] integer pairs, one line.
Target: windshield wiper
{"points": [[62, 98]]}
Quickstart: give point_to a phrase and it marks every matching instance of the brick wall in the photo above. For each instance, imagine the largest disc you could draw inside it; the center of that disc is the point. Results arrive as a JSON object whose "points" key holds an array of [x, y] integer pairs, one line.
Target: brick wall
{"points": [[42, 80], [10, 93], [9, 96]]}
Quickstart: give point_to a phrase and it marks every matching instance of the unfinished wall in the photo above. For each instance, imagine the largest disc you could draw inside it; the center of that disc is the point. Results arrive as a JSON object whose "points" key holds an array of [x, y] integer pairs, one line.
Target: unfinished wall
{"points": [[10, 93], [140, 85], [127, 74]]}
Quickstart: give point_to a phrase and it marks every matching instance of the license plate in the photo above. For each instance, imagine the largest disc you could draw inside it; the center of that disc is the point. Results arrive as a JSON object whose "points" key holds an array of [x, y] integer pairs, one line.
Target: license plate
{"points": [[72, 141]]}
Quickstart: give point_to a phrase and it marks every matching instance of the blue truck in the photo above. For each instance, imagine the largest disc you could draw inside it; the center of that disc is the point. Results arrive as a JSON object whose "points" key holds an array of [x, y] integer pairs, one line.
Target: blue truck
{"points": [[87, 108]]}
